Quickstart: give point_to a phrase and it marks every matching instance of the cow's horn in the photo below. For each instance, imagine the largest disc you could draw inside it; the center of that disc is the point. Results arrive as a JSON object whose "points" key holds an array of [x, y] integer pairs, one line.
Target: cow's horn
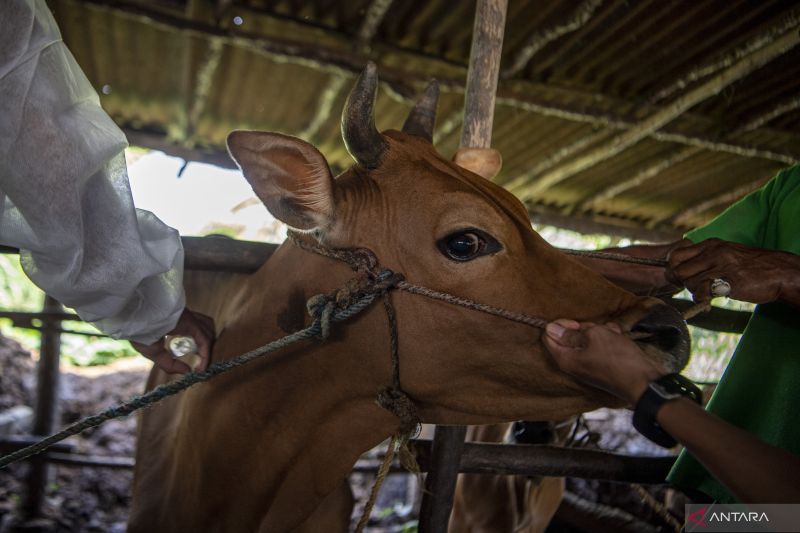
{"points": [[422, 117], [363, 140]]}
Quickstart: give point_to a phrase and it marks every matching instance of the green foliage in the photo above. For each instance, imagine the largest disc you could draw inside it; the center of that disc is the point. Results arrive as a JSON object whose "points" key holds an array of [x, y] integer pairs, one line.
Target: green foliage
{"points": [[17, 293], [412, 526]]}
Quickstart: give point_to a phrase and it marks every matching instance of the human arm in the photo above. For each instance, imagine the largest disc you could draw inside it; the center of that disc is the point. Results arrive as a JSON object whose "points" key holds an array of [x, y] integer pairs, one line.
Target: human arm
{"points": [[751, 469], [65, 201]]}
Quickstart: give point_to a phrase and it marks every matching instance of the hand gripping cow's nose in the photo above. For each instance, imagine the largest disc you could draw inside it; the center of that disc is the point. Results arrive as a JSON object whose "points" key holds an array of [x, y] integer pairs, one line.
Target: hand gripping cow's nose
{"points": [[666, 331]]}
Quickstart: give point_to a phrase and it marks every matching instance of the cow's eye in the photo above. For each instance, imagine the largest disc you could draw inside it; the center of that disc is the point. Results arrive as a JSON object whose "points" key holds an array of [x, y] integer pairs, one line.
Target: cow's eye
{"points": [[468, 244]]}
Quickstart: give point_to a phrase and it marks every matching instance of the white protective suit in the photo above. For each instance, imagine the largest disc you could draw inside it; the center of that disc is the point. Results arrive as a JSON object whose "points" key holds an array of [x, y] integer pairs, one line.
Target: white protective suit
{"points": [[65, 200]]}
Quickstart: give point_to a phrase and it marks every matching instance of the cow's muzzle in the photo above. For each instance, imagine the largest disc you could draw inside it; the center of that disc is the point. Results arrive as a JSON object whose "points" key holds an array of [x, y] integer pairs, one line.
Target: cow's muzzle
{"points": [[666, 331]]}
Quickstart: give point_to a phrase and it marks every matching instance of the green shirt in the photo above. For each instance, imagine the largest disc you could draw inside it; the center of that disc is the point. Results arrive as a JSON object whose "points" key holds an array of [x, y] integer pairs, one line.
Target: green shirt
{"points": [[760, 389]]}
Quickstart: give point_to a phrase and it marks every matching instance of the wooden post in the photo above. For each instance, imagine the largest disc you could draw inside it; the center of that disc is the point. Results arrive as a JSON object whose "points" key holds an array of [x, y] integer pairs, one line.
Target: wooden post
{"points": [[440, 484], [481, 91], [484, 65], [46, 410]]}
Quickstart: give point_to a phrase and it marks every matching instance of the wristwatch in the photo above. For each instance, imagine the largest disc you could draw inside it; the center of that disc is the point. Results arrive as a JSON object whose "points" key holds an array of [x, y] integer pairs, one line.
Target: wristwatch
{"points": [[660, 391]]}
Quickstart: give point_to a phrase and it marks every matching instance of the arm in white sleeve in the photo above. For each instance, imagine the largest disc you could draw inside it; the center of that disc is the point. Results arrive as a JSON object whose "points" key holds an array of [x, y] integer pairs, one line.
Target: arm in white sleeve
{"points": [[65, 200]]}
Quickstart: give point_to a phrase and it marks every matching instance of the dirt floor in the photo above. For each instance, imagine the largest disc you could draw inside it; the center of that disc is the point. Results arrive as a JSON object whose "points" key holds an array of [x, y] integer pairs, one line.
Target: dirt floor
{"points": [[96, 500]]}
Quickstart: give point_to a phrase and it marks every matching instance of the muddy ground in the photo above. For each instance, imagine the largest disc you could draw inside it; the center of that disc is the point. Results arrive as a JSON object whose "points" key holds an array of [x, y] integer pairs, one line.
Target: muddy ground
{"points": [[96, 499]]}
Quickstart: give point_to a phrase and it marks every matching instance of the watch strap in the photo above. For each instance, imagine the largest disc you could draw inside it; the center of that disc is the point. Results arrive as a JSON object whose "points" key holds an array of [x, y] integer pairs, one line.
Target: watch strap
{"points": [[664, 389]]}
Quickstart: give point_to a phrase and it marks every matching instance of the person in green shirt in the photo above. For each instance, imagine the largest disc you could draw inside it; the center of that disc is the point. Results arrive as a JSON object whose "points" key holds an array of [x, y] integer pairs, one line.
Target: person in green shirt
{"points": [[754, 248]]}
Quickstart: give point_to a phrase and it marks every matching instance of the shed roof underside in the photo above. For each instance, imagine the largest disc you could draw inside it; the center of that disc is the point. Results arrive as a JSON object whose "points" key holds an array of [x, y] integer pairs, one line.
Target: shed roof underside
{"points": [[644, 117]]}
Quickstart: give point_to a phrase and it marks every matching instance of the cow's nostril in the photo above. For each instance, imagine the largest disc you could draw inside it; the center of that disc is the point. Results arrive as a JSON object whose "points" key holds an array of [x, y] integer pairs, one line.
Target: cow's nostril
{"points": [[665, 329], [667, 338]]}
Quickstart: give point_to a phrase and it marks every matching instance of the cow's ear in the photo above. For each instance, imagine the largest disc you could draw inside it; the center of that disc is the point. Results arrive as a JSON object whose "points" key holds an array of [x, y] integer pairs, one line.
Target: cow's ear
{"points": [[289, 175], [485, 162]]}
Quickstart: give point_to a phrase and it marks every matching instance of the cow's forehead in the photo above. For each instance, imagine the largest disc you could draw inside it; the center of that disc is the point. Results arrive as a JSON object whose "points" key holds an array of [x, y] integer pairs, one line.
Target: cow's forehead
{"points": [[425, 167]]}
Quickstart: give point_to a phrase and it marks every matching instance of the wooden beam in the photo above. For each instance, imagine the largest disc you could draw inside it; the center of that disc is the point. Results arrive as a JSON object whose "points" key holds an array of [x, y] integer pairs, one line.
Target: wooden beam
{"points": [[197, 83], [730, 147], [518, 98], [46, 410], [523, 95], [202, 87], [200, 253], [375, 14], [324, 108], [159, 141], [440, 483], [788, 22], [653, 170], [543, 460], [682, 217], [614, 226], [735, 72], [557, 157], [542, 38], [448, 125], [642, 176], [224, 254]]}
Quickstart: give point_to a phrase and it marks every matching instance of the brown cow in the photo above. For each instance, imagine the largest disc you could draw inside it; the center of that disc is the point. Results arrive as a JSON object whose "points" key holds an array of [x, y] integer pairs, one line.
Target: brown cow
{"points": [[260, 448], [516, 504]]}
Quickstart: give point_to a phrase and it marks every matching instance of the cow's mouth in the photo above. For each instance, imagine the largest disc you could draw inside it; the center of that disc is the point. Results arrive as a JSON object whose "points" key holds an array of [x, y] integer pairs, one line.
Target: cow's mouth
{"points": [[666, 331]]}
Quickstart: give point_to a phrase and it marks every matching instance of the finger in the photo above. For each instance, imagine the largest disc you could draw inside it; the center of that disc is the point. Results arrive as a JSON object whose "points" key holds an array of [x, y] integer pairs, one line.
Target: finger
{"points": [[170, 365], [613, 326], [696, 266], [563, 356], [700, 285], [566, 333], [687, 250]]}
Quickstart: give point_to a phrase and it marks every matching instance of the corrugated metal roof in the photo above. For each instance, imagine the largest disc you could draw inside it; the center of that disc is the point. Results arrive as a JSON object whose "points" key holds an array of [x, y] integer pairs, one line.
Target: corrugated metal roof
{"points": [[182, 74]]}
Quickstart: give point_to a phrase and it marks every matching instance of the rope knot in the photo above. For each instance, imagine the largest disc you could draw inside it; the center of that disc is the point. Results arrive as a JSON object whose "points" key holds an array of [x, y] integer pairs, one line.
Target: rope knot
{"points": [[321, 307], [362, 260], [400, 405], [387, 279]]}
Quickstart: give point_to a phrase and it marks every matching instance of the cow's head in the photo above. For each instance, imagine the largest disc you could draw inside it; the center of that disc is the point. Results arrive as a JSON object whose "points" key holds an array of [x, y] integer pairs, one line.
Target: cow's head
{"points": [[448, 228]]}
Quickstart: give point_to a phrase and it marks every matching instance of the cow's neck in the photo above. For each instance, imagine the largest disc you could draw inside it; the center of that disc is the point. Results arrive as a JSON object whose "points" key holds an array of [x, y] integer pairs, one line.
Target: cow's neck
{"points": [[311, 406]]}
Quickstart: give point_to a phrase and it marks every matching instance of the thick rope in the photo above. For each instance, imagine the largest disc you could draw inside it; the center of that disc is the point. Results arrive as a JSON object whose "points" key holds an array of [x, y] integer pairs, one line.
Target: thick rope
{"points": [[659, 508], [323, 315], [383, 471]]}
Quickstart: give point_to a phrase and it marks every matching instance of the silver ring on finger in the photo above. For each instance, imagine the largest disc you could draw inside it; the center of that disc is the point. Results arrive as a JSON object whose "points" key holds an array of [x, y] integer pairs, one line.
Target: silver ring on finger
{"points": [[720, 287], [180, 345]]}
